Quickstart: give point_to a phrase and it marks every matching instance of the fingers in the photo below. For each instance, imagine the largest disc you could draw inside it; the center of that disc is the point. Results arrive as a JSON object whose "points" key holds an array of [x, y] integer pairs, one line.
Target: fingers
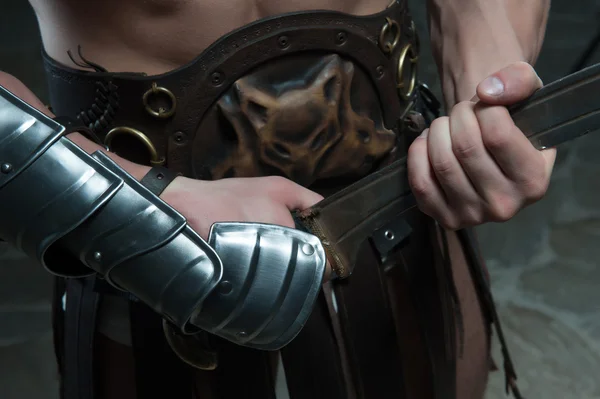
{"points": [[476, 166], [512, 84], [292, 195], [429, 195], [526, 167], [470, 151], [446, 167]]}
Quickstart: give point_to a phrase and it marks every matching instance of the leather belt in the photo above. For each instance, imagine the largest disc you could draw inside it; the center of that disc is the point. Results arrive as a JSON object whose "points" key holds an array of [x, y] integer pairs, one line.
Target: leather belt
{"points": [[372, 207]]}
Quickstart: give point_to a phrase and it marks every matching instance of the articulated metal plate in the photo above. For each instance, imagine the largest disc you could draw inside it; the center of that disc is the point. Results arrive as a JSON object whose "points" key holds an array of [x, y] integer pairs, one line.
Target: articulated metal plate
{"points": [[272, 276]]}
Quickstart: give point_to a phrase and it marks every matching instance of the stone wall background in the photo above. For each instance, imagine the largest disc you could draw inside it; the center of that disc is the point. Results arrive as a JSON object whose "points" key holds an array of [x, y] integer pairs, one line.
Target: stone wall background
{"points": [[544, 262]]}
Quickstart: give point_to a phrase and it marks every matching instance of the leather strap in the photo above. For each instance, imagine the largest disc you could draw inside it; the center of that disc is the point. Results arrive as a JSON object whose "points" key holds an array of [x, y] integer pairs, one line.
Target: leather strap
{"points": [[158, 179], [158, 371], [79, 331]]}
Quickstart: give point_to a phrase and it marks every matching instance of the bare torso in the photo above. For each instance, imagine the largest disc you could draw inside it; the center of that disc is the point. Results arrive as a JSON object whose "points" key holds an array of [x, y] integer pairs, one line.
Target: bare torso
{"points": [[155, 36]]}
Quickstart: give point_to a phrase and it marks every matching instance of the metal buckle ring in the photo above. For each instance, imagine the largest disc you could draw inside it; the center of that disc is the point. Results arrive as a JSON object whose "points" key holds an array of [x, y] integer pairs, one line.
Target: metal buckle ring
{"points": [[161, 113], [389, 26], [413, 29], [412, 84], [154, 160]]}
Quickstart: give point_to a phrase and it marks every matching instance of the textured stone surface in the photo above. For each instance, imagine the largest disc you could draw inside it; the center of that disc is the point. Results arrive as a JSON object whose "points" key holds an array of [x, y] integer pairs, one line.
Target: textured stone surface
{"points": [[544, 262]]}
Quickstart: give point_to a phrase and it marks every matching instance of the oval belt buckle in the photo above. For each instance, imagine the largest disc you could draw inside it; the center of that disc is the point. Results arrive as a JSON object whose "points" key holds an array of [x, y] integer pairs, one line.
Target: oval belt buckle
{"points": [[117, 131]]}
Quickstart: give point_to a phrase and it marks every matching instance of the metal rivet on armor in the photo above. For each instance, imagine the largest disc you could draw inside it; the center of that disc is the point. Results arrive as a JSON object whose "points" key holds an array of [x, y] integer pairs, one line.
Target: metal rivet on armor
{"points": [[97, 256], [283, 41], [308, 249], [216, 78], [379, 70], [389, 234], [225, 287], [6, 168], [340, 38]]}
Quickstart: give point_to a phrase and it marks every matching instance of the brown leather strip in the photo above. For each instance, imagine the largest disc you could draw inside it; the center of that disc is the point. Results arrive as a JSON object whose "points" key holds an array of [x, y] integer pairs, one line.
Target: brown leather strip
{"points": [[312, 361], [339, 337], [242, 372], [158, 178], [369, 330]]}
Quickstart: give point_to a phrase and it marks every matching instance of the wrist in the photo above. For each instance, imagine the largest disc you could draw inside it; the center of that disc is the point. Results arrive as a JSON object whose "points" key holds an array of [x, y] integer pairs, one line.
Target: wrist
{"points": [[136, 170], [470, 44], [461, 77]]}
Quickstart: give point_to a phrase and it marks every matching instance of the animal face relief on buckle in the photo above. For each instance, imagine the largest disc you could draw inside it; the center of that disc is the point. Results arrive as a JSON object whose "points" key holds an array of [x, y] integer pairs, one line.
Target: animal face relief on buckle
{"points": [[141, 137], [301, 117]]}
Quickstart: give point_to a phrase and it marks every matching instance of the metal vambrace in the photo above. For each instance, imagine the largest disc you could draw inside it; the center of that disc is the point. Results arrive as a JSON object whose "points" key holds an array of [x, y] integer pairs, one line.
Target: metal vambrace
{"points": [[79, 214]]}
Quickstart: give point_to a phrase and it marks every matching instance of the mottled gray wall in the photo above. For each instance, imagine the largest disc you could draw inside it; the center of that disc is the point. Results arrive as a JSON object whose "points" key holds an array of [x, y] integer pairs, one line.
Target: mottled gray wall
{"points": [[543, 262]]}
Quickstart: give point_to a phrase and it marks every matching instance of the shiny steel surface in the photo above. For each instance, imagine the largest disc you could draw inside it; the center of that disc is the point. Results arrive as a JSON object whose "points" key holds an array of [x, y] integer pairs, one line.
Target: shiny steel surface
{"points": [[272, 276]]}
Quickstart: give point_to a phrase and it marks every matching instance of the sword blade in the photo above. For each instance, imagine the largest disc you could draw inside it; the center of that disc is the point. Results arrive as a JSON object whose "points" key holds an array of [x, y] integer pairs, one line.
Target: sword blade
{"points": [[373, 206]]}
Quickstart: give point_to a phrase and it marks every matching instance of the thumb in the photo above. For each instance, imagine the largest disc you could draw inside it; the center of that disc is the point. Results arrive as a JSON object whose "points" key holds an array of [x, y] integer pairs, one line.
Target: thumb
{"points": [[510, 85]]}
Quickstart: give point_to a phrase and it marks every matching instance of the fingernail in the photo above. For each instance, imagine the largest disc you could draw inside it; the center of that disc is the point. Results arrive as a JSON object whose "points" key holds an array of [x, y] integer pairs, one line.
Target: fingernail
{"points": [[492, 86], [424, 134]]}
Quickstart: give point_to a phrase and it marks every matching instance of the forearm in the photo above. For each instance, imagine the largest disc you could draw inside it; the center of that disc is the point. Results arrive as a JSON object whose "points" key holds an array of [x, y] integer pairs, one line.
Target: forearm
{"points": [[473, 38]]}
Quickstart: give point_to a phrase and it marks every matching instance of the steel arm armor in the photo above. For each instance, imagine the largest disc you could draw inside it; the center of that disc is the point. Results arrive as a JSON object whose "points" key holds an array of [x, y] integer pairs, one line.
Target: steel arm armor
{"points": [[77, 214]]}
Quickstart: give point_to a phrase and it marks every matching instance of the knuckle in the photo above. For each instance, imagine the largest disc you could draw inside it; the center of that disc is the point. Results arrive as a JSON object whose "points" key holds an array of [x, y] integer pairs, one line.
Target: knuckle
{"points": [[277, 182], [534, 189], [471, 216], [462, 107], [439, 123], [421, 187], [497, 137], [466, 149], [450, 223], [275, 187], [443, 167], [503, 208]]}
